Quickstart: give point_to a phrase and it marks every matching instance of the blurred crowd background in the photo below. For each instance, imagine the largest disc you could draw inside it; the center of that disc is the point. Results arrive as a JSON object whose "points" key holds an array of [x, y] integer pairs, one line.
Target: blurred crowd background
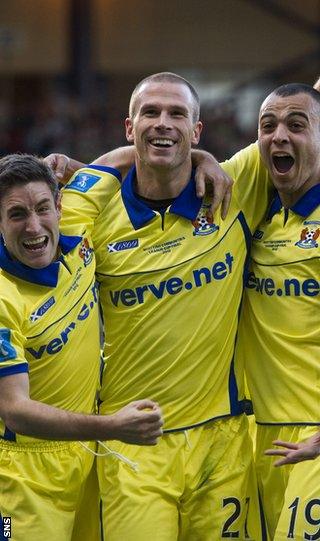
{"points": [[67, 67]]}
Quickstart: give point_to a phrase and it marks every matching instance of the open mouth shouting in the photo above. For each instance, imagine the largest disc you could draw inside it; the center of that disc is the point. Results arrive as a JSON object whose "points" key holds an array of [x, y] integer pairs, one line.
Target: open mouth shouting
{"points": [[36, 245], [282, 162]]}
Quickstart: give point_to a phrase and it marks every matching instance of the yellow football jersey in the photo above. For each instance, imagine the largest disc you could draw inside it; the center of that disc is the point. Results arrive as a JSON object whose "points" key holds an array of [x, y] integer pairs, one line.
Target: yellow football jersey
{"points": [[49, 327], [171, 285], [279, 335]]}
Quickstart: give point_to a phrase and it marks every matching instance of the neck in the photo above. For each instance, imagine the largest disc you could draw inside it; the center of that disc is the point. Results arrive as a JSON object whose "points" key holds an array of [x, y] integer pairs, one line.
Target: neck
{"points": [[161, 182], [288, 200]]}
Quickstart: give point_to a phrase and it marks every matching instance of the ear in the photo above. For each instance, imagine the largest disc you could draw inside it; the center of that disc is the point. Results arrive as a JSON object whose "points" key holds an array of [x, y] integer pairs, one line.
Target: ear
{"points": [[58, 205], [129, 130], [1, 232], [197, 129]]}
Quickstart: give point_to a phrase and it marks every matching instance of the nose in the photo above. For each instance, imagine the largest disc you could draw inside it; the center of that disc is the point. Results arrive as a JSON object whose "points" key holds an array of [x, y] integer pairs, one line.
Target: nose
{"points": [[164, 121], [33, 223], [280, 134]]}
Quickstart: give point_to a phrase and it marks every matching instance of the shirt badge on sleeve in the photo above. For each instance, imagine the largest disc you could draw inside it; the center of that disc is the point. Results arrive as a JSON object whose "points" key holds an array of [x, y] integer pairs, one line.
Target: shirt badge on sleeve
{"points": [[82, 182], [7, 351]]}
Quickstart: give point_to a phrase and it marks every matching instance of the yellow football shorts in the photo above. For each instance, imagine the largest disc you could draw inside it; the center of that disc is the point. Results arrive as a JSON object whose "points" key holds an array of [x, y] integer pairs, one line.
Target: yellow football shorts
{"points": [[192, 486], [290, 494], [41, 486], [87, 519], [253, 431]]}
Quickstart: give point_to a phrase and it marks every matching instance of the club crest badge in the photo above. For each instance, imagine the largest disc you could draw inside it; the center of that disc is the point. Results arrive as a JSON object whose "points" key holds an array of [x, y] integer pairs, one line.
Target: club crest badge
{"points": [[203, 224], [308, 238], [85, 252]]}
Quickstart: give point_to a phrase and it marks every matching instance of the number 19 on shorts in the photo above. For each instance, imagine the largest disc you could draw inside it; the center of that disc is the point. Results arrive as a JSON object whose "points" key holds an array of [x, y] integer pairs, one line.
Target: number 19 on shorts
{"points": [[305, 514]]}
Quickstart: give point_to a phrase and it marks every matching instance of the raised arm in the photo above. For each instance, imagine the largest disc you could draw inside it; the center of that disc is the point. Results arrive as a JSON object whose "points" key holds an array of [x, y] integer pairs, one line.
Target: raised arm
{"points": [[137, 423], [211, 178], [209, 175], [63, 166]]}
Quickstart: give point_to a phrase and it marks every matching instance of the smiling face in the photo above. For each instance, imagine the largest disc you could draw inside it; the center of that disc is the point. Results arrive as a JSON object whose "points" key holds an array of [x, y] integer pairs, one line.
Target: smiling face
{"points": [[29, 223], [162, 124], [289, 142]]}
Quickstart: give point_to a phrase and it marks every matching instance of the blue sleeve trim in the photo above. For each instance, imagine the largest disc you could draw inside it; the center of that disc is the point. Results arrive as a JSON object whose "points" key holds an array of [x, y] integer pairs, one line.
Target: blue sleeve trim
{"points": [[14, 369], [236, 406], [246, 230], [248, 239], [107, 169]]}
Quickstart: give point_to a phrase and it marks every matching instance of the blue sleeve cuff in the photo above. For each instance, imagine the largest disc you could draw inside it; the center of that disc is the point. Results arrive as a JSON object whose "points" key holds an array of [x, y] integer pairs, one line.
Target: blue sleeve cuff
{"points": [[14, 369], [107, 169]]}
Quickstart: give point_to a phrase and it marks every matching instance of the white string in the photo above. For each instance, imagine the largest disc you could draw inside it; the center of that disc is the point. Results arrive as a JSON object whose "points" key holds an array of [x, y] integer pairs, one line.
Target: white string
{"points": [[133, 465]]}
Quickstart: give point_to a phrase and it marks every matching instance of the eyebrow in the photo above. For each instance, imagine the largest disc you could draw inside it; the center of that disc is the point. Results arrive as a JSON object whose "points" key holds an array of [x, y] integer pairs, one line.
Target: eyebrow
{"points": [[150, 104], [292, 113], [45, 200], [20, 207], [156, 105]]}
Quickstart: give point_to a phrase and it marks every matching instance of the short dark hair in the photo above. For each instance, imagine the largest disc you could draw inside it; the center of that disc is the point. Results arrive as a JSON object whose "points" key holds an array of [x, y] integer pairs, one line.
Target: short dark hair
{"points": [[167, 77], [20, 169], [291, 89]]}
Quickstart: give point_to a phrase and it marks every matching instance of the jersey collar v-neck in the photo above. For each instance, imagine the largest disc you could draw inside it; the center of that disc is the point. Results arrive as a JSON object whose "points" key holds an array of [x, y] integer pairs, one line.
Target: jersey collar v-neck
{"points": [[46, 276], [187, 204], [304, 206]]}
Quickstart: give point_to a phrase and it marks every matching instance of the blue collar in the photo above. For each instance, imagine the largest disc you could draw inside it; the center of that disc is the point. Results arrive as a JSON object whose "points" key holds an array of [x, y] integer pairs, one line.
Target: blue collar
{"points": [[47, 276], [187, 204], [306, 204]]}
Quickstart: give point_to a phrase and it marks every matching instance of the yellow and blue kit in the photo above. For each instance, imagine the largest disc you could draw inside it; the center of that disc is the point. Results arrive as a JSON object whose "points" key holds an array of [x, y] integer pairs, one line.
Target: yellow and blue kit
{"points": [[170, 289], [279, 337], [280, 314], [171, 285], [49, 328]]}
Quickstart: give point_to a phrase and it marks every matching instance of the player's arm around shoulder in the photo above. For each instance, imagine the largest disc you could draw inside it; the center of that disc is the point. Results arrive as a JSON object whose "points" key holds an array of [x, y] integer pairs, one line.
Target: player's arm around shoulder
{"points": [[64, 166], [252, 185], [121, 158], [85, 196], [245, 163]]}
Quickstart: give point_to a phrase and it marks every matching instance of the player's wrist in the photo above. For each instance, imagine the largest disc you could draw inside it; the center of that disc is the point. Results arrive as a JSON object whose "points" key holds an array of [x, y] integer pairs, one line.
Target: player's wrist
{"points": [[110, 427]]}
